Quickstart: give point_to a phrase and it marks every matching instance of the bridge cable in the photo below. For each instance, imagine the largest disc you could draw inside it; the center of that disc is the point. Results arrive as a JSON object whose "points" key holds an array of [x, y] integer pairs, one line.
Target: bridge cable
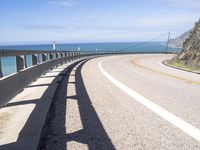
{"points": [[143, 43]]}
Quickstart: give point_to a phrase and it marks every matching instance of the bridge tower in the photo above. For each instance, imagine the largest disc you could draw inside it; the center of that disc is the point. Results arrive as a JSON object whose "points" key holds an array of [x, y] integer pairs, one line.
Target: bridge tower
{"points": [[54, 46], [167, 46]]}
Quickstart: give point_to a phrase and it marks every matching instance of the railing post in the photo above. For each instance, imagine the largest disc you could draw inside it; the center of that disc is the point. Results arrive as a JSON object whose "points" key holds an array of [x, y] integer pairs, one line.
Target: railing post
{"points": [[74, 55], [38, 55], [19, 63], [66, 57], [71, 56], [34, 59], [51, 56], [25, 62], [79, 56], [44, 57], [48, 56], [1, 72], [56, 55], [61, 58]]}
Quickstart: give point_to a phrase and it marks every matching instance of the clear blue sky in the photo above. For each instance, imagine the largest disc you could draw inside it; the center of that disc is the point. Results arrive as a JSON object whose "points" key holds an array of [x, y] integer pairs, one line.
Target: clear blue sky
{"points": [[69, 21]]}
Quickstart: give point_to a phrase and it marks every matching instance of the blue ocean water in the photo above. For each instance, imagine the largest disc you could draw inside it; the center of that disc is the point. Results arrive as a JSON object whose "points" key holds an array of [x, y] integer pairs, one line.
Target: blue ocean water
{"points": [[8, 63]]}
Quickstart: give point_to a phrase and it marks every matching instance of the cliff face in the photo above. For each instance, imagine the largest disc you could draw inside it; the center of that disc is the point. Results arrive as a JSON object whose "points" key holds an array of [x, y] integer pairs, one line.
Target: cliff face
{"points": [[190, 55], [178, 42]]}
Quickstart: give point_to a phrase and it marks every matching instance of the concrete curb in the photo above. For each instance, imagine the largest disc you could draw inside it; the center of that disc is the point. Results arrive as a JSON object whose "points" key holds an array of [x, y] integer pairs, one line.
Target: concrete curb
{"points": [[179, 68], [52, 92]]}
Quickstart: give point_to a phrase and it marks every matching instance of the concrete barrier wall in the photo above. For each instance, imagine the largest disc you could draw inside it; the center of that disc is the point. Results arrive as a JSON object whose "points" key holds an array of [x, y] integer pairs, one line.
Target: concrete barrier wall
{"points": [[11, 85]]}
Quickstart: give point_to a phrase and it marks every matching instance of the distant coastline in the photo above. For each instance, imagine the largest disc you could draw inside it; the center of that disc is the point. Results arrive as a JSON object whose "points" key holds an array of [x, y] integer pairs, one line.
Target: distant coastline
{"points": [[178, 41], [174, 46], [139, 46]]}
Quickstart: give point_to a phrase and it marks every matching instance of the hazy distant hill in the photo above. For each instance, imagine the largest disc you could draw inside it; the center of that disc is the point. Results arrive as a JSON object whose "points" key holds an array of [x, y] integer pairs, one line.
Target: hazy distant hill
{"points": [[178, 42]]}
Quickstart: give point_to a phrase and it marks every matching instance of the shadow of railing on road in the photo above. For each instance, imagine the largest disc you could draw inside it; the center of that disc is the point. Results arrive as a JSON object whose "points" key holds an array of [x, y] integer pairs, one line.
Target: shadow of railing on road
{"points": [[93, 133]]}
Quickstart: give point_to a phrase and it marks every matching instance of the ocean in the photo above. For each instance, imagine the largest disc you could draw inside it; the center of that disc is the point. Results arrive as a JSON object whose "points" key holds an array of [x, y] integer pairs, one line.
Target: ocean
{"points": [[8, 63]]}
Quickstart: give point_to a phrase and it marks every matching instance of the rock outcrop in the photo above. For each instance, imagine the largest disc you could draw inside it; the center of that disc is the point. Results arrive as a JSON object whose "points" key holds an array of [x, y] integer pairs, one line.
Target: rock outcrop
{"points": [[190, 55]]}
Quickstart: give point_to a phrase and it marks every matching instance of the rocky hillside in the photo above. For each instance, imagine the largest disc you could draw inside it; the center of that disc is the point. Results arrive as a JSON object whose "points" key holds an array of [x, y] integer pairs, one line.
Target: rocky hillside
{"points": [[178, 42], [190, 55]]}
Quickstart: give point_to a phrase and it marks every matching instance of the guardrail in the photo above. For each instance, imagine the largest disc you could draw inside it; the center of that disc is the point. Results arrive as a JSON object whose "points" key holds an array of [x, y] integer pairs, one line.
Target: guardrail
{"points": [[21, 57], [42, 62], [13, 84]]}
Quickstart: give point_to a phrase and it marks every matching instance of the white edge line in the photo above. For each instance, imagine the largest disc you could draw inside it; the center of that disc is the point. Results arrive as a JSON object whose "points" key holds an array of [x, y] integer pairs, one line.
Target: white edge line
{"points": [[166, 115]]}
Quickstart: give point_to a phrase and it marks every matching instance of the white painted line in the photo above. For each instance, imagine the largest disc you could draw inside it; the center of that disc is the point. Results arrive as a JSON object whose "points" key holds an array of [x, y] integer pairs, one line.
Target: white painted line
{"points": [[166, 115]]}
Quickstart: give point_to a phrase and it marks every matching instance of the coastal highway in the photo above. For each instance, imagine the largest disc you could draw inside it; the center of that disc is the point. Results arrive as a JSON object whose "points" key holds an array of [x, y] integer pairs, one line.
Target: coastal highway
{"points": [[126, 102]]}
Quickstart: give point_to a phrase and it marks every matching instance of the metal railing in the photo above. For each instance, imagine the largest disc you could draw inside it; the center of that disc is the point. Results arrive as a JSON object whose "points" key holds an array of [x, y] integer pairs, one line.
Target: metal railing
{"points": [[42, 62], [39, 57]]}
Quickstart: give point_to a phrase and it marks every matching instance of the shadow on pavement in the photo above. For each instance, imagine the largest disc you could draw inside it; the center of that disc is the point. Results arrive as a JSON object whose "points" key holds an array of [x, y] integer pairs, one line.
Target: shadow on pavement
{"points": [[93, 133]]}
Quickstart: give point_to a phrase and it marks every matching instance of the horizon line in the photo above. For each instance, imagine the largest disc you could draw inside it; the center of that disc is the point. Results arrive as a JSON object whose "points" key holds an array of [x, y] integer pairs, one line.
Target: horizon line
{"points": [[48, 43]]}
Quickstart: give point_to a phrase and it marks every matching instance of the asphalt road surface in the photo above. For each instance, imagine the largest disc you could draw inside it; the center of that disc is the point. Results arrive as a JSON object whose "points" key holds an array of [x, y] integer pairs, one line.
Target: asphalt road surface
{"points": [[125, 102]]}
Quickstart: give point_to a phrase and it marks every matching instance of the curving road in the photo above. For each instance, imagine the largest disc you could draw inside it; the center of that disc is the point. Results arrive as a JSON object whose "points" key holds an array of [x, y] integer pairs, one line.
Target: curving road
{"points": [[126, 102]]}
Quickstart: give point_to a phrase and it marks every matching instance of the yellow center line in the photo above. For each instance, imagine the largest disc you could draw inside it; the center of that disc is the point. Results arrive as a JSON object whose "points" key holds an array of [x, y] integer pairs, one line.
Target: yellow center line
{"points": [[165, 74]]}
